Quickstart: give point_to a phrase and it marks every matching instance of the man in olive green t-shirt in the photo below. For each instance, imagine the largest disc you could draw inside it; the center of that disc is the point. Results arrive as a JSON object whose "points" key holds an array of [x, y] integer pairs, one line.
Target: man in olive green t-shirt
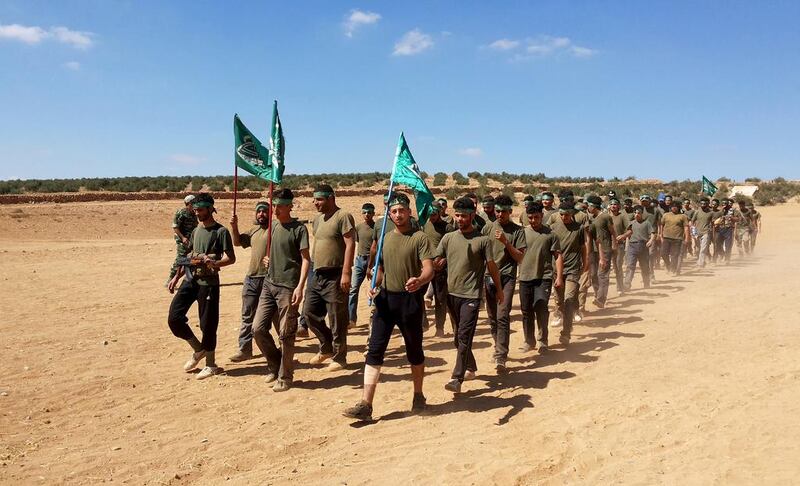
{"points": [[212, 249], [620, 221], [574, 241], [536, 277], [334, 247], [406, 266], [604, 238], [703, 224], [255, 238], [467, 255], [674, 234], [287, 269], [508, 248], [435, 228], [363, 233]]}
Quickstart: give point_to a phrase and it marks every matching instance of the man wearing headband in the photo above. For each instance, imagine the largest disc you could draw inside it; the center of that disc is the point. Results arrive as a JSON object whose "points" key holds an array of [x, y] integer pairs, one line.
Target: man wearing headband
{"points": [[376, 232], [641, 235], [653, 214], [744, 228], [507, 250], [405, 268], [435, 229], [477, 220], [488, 214], [334, 247], [183, 223], [675, 234], [717, 213], [627, 208], [287, 269], [446, 217], [523, 216], [574, 240], [725, 226], [467, 255], [703, 223], [689, 211], [604, 242], [548, 206], [536, 276], [255, 238], [755, 218], [212, 249], [363, 233], [566, 197], [620, 222]]}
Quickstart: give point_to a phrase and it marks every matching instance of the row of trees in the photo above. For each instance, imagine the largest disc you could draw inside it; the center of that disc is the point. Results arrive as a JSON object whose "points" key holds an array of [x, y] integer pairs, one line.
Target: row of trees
{"points": [[452, 185]]}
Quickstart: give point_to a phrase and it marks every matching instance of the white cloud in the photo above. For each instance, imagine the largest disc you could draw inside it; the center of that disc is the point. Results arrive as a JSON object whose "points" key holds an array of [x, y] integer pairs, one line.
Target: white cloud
{"points": [[34, 35], [546, 45], [78, 40], [504, 44], [357, 18], [187, 159], [471, 152], [413, 42], [541, 46], [28, 35], [579, 51], [73, 65]]}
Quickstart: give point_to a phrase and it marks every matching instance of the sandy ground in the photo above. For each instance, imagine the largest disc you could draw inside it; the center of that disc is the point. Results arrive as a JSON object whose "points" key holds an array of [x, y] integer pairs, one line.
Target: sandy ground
{"points": [[694, 381]]}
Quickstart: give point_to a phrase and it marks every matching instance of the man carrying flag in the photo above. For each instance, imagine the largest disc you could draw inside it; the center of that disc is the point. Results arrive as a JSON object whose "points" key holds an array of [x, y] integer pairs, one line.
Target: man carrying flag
{"points": [[404, 268]]}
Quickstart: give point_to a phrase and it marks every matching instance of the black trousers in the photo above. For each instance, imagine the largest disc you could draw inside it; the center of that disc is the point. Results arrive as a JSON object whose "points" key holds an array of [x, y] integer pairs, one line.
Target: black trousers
{"points": [[405, 310], [464, 314], [439, 284], [207, 298], [533, 297]]}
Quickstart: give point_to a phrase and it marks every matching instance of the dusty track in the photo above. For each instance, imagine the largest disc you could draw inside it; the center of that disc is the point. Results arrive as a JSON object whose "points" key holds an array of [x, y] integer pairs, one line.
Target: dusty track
{"points": [[696, 380]]}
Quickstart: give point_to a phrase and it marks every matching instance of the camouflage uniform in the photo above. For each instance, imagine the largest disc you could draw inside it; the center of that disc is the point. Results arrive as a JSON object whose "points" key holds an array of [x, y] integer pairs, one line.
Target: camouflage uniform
{"points": [[186, 222]]}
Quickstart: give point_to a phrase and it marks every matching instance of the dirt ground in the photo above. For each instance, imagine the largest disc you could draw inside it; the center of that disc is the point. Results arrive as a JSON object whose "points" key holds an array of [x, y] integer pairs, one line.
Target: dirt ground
{"points": [[694, 381]]}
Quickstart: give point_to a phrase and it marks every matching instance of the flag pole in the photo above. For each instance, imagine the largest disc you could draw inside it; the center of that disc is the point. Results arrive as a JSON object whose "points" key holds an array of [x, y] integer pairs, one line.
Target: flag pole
{"points": [[379, 251], [269, 218], [235, 185]]}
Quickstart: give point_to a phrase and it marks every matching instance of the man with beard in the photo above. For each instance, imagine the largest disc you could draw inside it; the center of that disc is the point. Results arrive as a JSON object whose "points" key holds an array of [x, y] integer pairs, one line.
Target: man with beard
{"points": [[405, 268], [508, 248], [435, 229], [536, 277], [641, 237], [725, 226], [280, 297], [212, 249], [574, 242], [620, 221], [255, 238], [604, 239], [703, 222], [334, 247], [717, 213], [477, 220], [744, 228], [653, 214], [488, 204], [756, 223], [467, 255], [675, 233], [364, 231]]}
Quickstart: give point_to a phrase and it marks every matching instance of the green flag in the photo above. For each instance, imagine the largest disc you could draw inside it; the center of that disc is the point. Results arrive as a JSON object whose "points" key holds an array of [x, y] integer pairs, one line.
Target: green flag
{"points": [[276, 146], [249, 154], [406, 172], [708, 188]]}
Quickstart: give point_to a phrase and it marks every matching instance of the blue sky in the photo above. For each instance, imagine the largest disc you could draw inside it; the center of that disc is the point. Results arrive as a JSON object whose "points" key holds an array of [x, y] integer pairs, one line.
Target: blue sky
{"points": [[669, 90]]}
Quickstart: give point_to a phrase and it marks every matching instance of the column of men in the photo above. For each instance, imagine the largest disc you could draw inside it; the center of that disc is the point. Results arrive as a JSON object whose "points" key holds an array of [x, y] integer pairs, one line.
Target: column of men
{"points": [[464, 260]]}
